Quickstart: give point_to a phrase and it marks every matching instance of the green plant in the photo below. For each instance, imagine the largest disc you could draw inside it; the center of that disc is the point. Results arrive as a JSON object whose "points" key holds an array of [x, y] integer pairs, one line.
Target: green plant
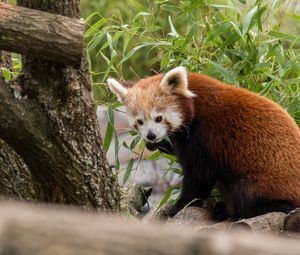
{"points": [[8, 74], [237, 43]]}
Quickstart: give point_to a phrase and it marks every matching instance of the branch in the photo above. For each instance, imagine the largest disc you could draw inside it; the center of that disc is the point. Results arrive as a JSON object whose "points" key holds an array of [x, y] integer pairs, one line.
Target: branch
{"points": [[34, 230], [41, 34]]}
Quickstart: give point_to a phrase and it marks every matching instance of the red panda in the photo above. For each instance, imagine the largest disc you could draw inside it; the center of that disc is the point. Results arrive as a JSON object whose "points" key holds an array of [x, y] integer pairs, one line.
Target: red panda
{"points": [[220, 134]]}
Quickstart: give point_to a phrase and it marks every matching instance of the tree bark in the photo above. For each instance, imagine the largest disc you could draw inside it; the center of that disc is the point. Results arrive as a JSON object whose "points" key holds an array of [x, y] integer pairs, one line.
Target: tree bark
{"points": [[43, 231], [15, 177], [41, 34], [48, 116]]}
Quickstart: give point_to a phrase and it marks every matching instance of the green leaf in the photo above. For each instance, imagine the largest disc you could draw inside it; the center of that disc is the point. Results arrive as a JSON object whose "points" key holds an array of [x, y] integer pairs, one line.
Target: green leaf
{"points": [[248, 20], [173, 30], [243, 1], [217, 32], [141, 14], [170, 8], [95, 41], [135, 142], [172, 158], [6, 74], [117, 148], [88, 18], [130, 53], [227, 75], [154, 155], [237, 30], [125, 145], [95, 27], [128, 171], [295, 16], [136, 48], [285, 36], [166, 197], [109, 129]]}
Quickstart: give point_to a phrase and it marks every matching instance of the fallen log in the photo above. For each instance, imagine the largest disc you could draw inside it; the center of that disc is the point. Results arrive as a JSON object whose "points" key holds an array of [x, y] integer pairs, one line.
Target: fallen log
{"points": [[43, 230], [270, 223], [266, 223], [41, 34]]}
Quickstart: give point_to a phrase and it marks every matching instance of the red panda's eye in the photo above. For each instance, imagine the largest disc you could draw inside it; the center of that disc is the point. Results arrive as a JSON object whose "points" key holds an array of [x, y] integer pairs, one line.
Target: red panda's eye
{"points": [[140, 122], [158, 119]]}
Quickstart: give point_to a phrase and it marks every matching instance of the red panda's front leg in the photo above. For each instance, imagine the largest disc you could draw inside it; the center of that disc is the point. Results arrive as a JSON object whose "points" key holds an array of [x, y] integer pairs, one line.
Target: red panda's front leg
{"points": [[197, 185], [198, 181]]}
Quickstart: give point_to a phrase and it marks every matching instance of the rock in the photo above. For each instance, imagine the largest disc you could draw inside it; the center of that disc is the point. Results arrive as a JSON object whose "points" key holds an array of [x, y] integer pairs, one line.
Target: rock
{"points": [[292, 222], [193, 216]]}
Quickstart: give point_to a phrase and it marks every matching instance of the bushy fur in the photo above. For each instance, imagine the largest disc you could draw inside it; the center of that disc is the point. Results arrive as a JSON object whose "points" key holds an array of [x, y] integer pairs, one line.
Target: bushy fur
{"points": [[243, 141]]}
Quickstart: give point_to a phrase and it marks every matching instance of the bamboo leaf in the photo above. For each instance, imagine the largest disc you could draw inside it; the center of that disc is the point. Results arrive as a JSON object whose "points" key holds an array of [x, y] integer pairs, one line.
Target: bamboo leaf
{"points": [[217, 32], [95, 27], [6, 74], [227, 75], [173, 30], [109, 129], [166, 197], [128, 171], [248, 20]]}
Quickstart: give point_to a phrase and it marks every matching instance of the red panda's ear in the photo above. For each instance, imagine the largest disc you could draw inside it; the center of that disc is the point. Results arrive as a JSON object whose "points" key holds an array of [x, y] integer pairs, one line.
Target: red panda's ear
{"points": [[128, 84], [117, 88], [177, 79]]}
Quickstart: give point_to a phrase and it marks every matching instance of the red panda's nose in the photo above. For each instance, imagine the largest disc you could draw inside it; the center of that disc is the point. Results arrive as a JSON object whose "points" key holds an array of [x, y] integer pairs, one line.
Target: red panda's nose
{"points": [[151, 136]]}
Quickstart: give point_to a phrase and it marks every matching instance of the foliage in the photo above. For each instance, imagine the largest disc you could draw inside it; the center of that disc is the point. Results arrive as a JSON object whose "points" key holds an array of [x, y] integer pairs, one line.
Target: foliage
{"points": [[242, 44]]}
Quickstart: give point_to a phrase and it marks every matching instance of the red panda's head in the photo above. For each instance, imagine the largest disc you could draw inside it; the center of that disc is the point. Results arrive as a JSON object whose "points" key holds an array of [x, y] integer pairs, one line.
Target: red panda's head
{"points": [[158, 105]]}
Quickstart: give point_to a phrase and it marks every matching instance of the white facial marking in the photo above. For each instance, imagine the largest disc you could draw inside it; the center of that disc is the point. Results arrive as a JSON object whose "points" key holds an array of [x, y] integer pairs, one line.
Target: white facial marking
{"points": [[174, 117], [160, 129]]}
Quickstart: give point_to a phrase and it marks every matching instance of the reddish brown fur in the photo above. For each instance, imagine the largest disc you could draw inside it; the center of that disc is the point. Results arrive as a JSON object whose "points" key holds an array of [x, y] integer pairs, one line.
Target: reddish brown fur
{"points": [[235, 118]]}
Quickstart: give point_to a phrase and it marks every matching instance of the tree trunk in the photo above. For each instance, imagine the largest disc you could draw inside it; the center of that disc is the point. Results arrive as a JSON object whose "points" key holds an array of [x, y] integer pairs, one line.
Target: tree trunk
{"points": [[15, 177], [48, 116]]}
